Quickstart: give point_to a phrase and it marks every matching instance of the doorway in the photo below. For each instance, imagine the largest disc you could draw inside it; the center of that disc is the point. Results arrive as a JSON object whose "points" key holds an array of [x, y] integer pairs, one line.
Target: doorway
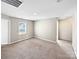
{"points": [[64, 30]]}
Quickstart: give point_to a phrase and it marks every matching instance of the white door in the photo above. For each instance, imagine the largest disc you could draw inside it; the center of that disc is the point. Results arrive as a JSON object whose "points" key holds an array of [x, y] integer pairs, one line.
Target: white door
{"points": [[4, 31]]}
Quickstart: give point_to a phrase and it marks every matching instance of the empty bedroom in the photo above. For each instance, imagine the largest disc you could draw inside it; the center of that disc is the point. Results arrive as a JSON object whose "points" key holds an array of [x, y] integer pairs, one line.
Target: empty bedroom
{"points": [[38, 29]]}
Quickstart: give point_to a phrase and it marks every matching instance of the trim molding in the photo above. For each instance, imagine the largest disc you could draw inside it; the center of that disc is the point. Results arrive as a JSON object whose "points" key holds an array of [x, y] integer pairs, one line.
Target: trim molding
{"points": [[19, 40], [46, 40], [74, 51], [32, 37]]}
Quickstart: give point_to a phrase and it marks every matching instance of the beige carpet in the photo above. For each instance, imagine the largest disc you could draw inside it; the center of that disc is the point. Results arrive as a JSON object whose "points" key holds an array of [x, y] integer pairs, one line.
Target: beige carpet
{"points": [[34, 49]]}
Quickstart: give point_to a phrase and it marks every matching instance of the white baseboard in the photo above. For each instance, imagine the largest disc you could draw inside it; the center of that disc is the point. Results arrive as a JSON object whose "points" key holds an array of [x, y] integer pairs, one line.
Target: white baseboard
{"points": [[33, 37], [74, 51], [20, 40], [3, 45], [46, 40]]}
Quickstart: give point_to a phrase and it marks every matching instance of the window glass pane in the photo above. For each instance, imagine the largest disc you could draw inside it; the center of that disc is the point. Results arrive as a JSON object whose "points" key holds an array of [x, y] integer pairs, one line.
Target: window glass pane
{"points": [[22, 27]]}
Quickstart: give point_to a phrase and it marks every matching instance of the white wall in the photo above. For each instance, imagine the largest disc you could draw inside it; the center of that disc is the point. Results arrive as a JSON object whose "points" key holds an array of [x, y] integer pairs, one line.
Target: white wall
{"points": [[5, 28], [46, 29], [14, 35], [74, 36], [4, 31], [65, 29]]}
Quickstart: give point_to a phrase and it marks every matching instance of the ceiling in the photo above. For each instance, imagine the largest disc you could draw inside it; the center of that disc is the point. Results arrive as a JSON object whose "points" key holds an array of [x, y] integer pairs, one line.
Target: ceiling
{"points": [[38, 9]]}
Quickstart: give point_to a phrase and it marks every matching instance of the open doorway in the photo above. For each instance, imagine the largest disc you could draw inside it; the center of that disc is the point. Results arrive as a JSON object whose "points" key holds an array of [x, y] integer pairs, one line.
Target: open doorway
{"points": [[64, 29], [65, 34]]}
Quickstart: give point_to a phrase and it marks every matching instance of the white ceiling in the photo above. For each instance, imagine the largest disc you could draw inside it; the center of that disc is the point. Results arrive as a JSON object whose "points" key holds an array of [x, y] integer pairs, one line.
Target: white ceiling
{"points": [[38, 9]]}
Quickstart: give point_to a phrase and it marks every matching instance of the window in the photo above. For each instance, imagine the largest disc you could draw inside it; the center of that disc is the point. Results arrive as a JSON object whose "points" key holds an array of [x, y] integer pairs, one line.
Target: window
{"points": [[22, 28]]}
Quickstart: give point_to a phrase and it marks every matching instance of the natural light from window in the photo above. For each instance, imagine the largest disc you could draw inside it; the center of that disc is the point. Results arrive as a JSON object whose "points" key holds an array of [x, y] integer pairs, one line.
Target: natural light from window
{"points": [[22, 28]]}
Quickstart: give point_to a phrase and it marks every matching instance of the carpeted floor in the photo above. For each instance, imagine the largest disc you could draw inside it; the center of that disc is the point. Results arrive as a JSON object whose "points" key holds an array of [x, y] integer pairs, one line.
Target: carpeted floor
{"points": [[35, 49]]}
